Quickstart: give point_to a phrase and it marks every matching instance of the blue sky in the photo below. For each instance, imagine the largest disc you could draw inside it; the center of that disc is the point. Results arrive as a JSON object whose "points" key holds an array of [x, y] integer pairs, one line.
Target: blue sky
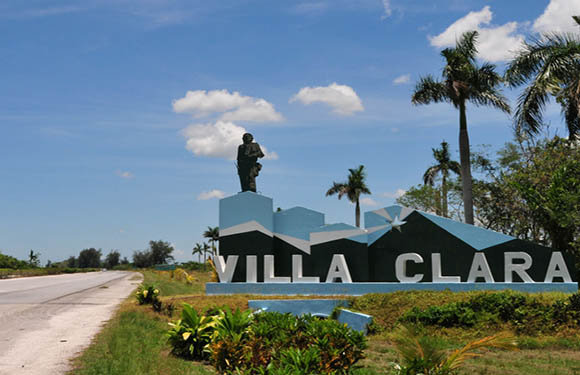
{"points": [[117, 116]]}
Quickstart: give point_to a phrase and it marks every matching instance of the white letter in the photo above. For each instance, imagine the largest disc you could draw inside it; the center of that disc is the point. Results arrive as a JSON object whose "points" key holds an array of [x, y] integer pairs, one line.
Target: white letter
{"points": [[520, 269], [480, 268], [338, 270], [297, 271], [436, 271], [269, 271], [225, 270], [557, 268], [401, 267], [251, 269]]}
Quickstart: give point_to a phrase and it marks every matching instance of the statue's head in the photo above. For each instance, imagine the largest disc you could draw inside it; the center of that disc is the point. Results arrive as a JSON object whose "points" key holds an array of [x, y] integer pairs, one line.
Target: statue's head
{"points": [[247, 138]]}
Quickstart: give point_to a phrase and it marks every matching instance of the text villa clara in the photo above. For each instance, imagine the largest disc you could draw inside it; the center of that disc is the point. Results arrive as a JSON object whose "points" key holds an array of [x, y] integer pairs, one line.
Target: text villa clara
{"points": [[514, 263]]}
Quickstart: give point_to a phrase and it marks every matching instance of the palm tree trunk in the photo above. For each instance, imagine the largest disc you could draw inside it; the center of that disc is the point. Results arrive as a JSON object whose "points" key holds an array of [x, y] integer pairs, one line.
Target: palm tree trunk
{"points": [[357, 214], [444, 194], [464, 155]]}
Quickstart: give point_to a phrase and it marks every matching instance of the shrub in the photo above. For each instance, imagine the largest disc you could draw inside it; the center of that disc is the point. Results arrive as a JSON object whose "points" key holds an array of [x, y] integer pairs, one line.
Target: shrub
{"points": [[267, 343], [147, 295], [526, 313], [190, 336]]}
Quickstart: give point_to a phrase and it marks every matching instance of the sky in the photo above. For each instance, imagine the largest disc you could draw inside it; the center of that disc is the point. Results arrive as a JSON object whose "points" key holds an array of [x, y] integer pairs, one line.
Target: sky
{"points": [[120, 119]]}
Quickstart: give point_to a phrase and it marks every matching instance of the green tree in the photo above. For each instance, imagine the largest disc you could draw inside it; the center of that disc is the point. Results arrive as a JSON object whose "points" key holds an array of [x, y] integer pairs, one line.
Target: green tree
{"points": [[197, 249], [443, 167], [89, 258], [550, 185], [213, 235], [463, 81], [112, 259], [551, 67], [353, 188], [142, 259], [7, 261], [160, 252], [33, 259], [71, 262]]}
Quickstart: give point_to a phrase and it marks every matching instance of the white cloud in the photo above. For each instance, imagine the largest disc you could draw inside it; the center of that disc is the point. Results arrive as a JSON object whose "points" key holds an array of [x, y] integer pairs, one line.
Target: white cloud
{"points": [[215, 193], [387, 8], [125, 174], [233, 106], [557, 17], [495, 43], [343, 99], [366, 201], [220, 140], [405, 78], [394, 195]]}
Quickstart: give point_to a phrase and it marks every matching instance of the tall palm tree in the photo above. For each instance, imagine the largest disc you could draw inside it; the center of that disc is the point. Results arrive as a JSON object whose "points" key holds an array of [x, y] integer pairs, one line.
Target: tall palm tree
{"points": [[551, 65], [353, 188], [197, 249], [213, 235], [444, 166], [463, 81], [206, 249]]}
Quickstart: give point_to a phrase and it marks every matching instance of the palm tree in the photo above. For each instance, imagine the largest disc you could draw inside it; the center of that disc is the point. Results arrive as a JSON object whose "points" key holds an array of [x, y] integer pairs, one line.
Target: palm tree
{"points": [[463, 81], [353, 188], [206, 248], [551, 65], [213, 234], [444, 166], [197, 249]]}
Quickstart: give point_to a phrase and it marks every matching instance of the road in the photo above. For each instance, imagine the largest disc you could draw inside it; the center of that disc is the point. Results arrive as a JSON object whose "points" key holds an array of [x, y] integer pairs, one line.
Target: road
{"points": [[47, 320]]}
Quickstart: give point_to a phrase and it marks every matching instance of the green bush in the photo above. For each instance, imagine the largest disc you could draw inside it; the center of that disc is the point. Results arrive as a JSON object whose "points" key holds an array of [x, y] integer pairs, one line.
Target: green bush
{"points": [[526, 313], [147, 295], [190, 336], [269, 343]]}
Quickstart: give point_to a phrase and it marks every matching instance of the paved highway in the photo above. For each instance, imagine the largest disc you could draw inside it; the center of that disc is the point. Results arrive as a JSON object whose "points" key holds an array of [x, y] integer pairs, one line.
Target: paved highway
{"points": [[45, 321]]}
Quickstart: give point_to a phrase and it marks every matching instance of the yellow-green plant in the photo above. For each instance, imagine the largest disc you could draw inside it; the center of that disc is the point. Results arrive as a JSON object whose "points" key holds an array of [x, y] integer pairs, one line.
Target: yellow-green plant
{"points": [[147, 294], [191, 335], [419, 356]]}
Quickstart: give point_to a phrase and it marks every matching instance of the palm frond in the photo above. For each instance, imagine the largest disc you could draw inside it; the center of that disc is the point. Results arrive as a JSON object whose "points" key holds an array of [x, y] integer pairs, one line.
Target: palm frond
{"points": [[502, 340], [430, 175], [428, 90], [528, 114]]}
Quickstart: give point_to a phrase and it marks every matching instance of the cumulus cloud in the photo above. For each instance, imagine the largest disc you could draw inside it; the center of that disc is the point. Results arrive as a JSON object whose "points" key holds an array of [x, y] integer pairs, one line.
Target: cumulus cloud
{"points": [[394, 195], [215, 193], [401, 80], [125, 174], [343, 99], [387, 8], [231, 105], [557, 17], [219, 140], [366, 201], [495, 43]]}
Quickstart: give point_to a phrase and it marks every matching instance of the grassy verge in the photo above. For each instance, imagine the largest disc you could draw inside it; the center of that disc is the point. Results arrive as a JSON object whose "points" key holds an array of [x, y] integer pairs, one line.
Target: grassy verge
{"points": [[6, 273], [134, 342]]}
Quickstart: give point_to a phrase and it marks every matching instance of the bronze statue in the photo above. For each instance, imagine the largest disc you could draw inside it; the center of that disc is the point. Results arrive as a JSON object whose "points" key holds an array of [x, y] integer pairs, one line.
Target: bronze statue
{"points": [[248, 166]]}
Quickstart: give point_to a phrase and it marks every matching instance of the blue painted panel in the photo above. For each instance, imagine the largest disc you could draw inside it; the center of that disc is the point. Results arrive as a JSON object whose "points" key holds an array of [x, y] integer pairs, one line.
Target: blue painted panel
{"points": [[357, 321], [357, 289], [478, 238], [363, 238], [374, 220], [321, 307], [244, 207], [394, 211], [335, 227], [298, 222]]}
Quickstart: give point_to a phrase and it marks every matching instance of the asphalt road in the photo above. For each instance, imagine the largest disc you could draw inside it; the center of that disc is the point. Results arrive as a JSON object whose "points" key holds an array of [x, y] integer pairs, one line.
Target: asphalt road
{"points": [[45, 321]]}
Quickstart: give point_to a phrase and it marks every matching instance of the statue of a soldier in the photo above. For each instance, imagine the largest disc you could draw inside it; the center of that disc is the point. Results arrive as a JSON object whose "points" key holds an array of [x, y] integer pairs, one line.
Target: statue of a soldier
{"points": [[248, 166]]}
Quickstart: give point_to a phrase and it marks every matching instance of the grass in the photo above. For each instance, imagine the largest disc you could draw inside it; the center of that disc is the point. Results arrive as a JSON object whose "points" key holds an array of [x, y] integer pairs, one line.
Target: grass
{"points": [[6, 273], [134, 342]]}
